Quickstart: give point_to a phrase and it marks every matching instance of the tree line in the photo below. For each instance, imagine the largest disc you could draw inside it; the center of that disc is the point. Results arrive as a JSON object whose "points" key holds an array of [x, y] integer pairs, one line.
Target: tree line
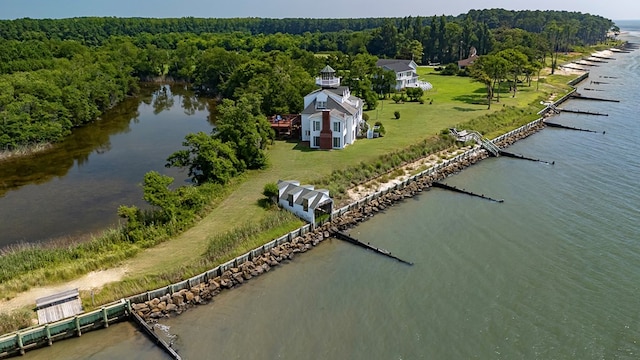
{"points": [[58, 74]]}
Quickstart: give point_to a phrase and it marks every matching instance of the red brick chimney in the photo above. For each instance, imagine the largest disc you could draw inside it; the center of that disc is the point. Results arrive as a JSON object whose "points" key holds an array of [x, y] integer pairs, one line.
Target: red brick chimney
{"points": [[326, 134]]}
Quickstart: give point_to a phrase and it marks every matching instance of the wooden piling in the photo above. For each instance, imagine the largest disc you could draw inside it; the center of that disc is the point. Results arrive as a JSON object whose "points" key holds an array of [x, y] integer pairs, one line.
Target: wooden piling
{"points": [[463, 191], [342, 236], [582, 97], [582, 112], [519, 156]]}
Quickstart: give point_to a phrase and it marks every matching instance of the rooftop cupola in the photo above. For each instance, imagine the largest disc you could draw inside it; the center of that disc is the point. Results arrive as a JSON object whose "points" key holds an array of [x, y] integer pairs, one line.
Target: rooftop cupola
{"points": [[328, 78]]}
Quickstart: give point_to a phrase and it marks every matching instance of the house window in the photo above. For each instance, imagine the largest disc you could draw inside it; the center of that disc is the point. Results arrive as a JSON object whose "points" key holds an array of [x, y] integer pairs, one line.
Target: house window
{"points": [[316, 141], [308, 133], [316, 126], [321, 104], [336, 142], [305, 205], [290, 199], [337, 126]]}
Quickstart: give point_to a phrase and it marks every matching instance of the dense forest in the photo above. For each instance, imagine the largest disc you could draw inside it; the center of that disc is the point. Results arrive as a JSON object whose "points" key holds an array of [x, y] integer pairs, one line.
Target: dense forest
{"points": [[58, 74]]}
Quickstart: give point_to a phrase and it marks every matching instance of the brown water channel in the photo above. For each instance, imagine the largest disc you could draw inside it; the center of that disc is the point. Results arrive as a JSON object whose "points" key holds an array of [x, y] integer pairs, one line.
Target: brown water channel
{"points": [[75, 189]]}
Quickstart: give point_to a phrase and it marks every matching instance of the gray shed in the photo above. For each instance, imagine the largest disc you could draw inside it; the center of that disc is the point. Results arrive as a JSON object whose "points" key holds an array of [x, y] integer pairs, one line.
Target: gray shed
{"points": [[58, 306]]}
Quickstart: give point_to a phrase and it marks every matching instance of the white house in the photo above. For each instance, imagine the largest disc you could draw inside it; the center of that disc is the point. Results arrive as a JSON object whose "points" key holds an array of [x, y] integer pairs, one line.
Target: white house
{"points": [[406, 75], [304, 201], [332, 117]]}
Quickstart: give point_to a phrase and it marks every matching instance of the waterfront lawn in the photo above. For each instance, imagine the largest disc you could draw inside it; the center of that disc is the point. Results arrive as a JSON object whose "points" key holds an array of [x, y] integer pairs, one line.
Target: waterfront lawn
{"points": [[456, 101], [453, 105]]}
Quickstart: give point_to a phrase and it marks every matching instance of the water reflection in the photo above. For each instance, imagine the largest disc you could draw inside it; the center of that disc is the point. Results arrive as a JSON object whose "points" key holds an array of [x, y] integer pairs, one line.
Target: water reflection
{"points": [[57, 161], [76, 187]]}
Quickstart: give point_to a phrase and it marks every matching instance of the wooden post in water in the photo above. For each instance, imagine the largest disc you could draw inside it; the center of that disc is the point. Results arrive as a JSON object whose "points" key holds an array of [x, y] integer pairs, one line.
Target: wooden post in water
{"points": [[48, 332], [20, 344], [78, 330], [104, 317]]}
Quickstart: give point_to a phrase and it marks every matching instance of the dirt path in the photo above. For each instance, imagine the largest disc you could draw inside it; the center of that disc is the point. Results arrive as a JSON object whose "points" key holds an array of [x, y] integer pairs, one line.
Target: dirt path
{"points": [[92, 280]]}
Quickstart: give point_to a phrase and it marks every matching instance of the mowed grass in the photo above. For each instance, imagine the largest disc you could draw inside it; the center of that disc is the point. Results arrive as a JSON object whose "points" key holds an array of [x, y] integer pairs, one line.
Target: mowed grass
{"points": [[455, 101], [452, 102]]}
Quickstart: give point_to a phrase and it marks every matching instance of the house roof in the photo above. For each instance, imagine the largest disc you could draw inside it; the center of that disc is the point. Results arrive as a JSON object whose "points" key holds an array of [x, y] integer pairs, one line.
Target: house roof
{"points": [[327, 69], [338, 91], [334, 106], [467, 61], [58, 306], [315, 198], [397, 65]]}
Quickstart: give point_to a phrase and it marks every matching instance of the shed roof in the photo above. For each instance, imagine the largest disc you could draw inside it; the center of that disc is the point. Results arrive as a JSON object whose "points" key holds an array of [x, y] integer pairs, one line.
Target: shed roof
{"points": [[58, 306]]}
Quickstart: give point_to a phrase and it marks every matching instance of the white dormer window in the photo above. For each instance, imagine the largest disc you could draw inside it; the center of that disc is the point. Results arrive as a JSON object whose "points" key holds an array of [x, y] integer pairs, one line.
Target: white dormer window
{"points": [[321, 101]]}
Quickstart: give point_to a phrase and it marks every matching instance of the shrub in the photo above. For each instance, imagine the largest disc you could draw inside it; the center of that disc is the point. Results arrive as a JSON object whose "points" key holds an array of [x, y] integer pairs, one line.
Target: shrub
{"points": [[396, 114], [450, 69], [270, 191], [379, 128], [415, 93], [365, 117]]}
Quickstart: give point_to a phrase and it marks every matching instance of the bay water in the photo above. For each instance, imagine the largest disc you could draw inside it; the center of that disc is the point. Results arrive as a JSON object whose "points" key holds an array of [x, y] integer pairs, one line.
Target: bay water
{"points": [[551, 273]]}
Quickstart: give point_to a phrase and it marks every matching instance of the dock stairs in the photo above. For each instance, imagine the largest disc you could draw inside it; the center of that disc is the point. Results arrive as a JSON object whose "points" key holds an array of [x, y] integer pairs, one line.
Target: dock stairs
{"points": [[466, 135]]}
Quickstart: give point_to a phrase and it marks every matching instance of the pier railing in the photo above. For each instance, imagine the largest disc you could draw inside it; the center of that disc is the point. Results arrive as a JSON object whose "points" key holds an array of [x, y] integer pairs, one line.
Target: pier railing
{"points": [[20, 341]]}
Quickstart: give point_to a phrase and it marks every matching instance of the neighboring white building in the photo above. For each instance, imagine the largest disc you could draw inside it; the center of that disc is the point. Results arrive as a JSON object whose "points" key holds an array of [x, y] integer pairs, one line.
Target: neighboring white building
{"points": [[406, 75], [304, 201], [332, 117]]}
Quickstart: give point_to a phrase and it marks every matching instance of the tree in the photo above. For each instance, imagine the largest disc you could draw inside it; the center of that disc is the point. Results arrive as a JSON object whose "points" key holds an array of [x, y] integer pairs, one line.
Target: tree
{"points": [[207, 159], [517, 61], [157, 193], [411, 49], [384, 81], [414, 93], [242, 126], [489, 70]]}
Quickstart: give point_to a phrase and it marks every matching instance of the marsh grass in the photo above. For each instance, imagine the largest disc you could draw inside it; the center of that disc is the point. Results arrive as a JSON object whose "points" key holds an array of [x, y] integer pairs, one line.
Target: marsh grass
{"points": [[17, 319]]}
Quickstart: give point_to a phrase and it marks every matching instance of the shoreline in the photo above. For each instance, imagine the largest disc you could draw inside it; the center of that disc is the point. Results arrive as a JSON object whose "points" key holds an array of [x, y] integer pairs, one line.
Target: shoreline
{"points": [[359, 193], [89, 282], [24, 151], [174, 299]]}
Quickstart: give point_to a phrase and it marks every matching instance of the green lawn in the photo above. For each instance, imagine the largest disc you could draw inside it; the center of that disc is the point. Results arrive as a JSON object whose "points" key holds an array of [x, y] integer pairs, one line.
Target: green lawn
{"points": [[455, 100]]}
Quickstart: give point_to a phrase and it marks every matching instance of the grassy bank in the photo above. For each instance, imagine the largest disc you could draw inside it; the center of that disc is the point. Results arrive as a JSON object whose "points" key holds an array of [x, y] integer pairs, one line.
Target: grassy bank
{"points": [[235, 222]]}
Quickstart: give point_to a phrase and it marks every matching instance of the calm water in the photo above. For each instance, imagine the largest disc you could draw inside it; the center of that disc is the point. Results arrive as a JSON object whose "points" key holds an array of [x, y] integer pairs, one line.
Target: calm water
{"points": [[76, 188], [552, 273]]}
